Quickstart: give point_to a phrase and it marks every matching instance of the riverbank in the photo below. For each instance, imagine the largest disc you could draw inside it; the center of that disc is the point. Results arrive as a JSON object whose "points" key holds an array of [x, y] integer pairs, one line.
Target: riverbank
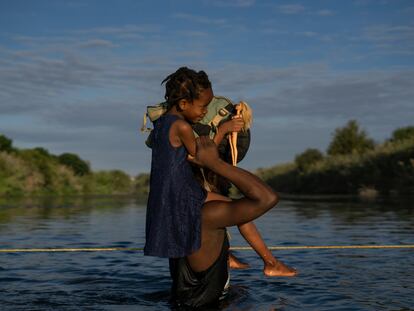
{"points": [[35, 172], [386, 170]]}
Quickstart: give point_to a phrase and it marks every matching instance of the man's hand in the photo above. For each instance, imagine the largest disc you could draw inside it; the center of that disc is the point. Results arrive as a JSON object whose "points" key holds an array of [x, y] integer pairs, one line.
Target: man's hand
{"points": [[206, 152]]}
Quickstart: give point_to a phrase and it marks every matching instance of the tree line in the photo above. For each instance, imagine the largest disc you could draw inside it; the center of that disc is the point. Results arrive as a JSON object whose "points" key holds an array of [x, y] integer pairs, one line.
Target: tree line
{"points": [[36, 171], [353, 164]]}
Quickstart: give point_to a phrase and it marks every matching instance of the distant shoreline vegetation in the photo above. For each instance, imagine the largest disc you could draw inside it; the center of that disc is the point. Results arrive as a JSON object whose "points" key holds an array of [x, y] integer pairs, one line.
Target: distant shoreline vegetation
{"points": [[353, 165], [37, 172]]}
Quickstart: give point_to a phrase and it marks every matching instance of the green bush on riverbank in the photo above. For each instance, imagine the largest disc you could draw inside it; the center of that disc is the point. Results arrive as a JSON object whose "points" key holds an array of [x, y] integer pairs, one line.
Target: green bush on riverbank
{"points": [[25, 172], [386, 168]]}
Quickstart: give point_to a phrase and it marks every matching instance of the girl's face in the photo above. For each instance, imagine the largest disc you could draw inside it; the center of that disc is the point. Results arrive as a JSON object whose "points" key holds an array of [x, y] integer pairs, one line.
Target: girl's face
{"points": [[196, 110]]}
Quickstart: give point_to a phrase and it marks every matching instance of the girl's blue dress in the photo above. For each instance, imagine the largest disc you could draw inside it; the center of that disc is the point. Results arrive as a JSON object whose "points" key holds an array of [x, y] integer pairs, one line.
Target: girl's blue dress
{"points": [[173, 220]]}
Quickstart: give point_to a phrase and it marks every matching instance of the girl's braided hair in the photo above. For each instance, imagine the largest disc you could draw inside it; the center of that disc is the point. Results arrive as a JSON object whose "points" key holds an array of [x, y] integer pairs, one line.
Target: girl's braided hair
{"points": [[186, 84]]}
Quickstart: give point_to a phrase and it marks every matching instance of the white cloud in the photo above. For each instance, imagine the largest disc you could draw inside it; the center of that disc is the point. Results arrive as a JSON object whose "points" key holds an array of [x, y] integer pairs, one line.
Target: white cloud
{"points": [[386, 39], [325, 12], [296, 9], [119, 30], [231, 3], [200, 19], [309, 34], [291, 9], [96, 43], [374, 2], [390, 34]]}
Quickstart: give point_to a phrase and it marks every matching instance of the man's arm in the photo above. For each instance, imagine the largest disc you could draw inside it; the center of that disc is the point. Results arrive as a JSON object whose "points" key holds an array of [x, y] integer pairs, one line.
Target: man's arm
{"points": [[259, 197]]}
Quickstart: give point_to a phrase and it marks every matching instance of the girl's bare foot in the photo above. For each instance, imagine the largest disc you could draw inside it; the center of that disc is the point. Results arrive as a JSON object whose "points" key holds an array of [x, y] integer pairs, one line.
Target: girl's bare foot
{"points": [[235, 263], [278, 268]]}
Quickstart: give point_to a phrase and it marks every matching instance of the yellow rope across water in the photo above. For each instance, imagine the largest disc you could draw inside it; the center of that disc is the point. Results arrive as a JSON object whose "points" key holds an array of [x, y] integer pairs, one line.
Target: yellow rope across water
{"points": [[327, 247], [239, 248]]}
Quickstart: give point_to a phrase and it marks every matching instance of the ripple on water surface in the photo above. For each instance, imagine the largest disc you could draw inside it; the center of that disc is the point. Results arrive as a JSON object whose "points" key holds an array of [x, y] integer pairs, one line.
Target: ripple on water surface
{"points": [[376, 279]]}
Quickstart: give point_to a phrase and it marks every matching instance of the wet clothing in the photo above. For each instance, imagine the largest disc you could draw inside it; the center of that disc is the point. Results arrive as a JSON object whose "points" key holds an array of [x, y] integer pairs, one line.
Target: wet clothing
{"points": [[195, 289], [173, 220]]}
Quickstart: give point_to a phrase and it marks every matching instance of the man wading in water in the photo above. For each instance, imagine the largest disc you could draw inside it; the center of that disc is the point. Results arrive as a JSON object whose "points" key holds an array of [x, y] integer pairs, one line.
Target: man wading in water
{"points": [[201, 278], [176, 198]]}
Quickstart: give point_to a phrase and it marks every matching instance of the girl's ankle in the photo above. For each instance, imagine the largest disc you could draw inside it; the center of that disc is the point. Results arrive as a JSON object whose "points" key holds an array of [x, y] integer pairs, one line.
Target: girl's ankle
{"points": [[270, 261]]}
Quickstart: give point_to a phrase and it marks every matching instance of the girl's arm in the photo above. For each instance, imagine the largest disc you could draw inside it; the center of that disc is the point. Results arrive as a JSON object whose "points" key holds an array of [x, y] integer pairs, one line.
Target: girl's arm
{"points": [[182, 133], [233, 125]]}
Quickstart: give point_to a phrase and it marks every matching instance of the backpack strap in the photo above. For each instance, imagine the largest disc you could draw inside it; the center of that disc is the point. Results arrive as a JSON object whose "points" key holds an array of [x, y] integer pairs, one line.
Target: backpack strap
{"points": [[144, 127], [222, 113], [205, 182], [153, 113]]}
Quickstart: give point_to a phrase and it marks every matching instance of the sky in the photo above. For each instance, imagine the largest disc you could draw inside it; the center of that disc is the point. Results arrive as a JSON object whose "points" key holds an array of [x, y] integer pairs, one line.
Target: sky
{"points": [[76, 76]]}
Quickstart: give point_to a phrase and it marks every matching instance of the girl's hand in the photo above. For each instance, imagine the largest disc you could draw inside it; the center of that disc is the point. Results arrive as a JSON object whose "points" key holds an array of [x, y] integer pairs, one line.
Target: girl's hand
{"points": [[234, 125]]}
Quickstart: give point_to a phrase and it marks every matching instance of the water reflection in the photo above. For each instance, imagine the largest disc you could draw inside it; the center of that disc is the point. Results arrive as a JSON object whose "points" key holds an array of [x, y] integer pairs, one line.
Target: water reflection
{"points": [[44, 208], [349, 212]]}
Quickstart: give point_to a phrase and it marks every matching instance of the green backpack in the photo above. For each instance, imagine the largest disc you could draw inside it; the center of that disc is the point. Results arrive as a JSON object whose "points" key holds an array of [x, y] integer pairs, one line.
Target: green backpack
{"points": [[220, 109]]}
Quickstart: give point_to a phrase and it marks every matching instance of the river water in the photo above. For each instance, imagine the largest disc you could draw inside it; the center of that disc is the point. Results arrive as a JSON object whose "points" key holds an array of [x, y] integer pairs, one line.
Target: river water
{"points": [[334, 279]]}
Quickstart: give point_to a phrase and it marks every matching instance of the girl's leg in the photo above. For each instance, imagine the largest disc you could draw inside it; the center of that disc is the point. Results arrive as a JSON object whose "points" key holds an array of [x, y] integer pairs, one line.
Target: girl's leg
{"points": [[235, 263], [272, 266]]}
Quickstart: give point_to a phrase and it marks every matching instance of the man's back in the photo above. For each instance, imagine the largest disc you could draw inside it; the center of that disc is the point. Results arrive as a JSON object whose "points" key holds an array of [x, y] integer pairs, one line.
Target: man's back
{"points": [[194, 289]]}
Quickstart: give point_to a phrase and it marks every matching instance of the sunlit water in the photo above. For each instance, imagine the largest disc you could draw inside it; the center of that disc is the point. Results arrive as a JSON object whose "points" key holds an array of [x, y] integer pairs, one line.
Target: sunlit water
{"points": [[361, 279]]}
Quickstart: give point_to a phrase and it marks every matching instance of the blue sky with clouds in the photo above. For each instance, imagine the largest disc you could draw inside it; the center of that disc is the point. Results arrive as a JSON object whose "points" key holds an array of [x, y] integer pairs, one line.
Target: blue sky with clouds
{"points": [[76, 76]]}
